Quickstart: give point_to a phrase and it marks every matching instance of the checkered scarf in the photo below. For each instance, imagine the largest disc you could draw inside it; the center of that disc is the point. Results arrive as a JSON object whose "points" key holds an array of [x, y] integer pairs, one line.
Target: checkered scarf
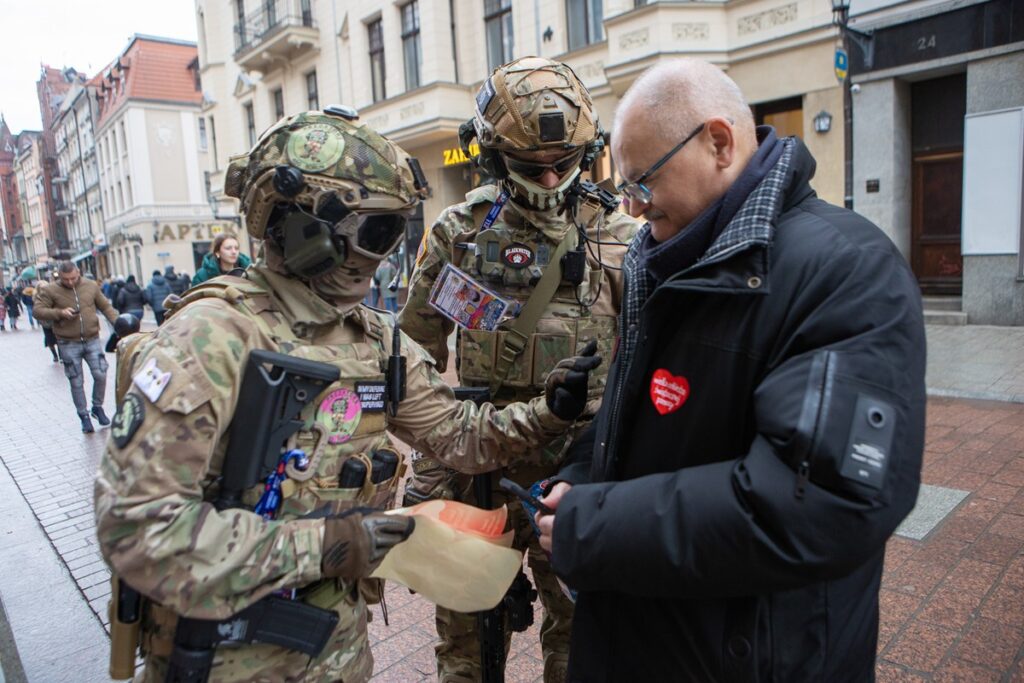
{"points": [[752, 225]]}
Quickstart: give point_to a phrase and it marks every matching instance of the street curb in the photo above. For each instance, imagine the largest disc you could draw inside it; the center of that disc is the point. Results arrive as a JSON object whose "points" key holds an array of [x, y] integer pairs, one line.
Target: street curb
{"points": [[11, 670], [975, 395]]}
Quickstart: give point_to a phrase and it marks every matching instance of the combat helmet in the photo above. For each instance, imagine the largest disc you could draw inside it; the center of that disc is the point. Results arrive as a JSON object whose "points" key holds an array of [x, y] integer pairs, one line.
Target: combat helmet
{"points": [[532, 104], [342, 186]]}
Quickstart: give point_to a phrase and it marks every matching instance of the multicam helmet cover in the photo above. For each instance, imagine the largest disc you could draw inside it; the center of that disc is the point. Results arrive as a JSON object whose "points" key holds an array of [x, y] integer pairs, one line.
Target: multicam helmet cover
{"points": [[362, 168], [533, 104]]}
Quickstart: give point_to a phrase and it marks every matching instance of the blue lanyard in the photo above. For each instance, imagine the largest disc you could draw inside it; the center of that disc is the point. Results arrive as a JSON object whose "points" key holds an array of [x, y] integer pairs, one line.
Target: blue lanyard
{"points": [[492, 215]]}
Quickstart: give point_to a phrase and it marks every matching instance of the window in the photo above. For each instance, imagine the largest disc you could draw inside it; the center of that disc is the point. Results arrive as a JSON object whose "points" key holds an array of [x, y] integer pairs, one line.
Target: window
{"points": [[498, 27], [213, 139], [411, 50], [278, 97], [312, 96], [584, 22], [202, 133], [270, 7], [240, 33], [250, 124], [377, 60], [306, 7]]}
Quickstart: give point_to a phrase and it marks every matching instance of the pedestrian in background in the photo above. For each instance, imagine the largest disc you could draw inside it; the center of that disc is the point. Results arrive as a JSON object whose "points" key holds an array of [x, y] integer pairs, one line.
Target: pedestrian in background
{"points": [[72, 306], [384, 276], [49, 339], [224, 258], [13, 302], [763, 427], [156, 291], [131, 298], [3, 314], [177, 283], [26, 293]]}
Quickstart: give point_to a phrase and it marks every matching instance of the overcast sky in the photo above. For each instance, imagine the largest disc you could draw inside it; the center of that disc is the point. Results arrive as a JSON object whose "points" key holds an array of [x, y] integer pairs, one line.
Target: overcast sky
{"points": [[84, 34]]}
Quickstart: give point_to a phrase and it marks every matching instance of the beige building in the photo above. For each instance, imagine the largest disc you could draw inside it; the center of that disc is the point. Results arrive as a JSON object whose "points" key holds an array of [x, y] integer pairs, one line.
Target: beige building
{"points": [[412, 68], [78, 175], [152, 148], [28, 169]]}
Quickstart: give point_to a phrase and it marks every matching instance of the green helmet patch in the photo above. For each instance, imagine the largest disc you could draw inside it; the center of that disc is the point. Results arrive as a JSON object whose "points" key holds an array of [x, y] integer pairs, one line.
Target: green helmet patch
{"points": [[315, 148]]}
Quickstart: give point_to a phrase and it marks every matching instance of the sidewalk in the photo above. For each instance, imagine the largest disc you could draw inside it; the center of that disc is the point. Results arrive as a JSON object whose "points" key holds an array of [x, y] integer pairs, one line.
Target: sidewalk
{"points": [[952, 596]]}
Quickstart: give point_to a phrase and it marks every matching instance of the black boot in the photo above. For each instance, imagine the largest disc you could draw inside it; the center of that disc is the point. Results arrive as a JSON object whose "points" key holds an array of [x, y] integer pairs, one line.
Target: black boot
{"points": [[101, 417], [87, 427]]}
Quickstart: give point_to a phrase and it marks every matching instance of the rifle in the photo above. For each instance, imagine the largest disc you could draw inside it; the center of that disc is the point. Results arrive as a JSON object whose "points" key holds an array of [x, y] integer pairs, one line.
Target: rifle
{"points": [[517, 604], [275, 388]]}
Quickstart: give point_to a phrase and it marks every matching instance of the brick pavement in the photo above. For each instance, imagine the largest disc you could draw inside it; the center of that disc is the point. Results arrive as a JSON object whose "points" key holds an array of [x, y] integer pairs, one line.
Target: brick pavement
{"points": [[952, 603]]}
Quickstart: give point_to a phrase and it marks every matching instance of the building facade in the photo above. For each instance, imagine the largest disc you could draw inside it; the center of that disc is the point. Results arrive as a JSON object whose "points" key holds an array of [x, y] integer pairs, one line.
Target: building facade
{"points": [[151, 151], [32, 197], [51, 90], [939, 144], [13, 253], [77, 177], [412, 68]]}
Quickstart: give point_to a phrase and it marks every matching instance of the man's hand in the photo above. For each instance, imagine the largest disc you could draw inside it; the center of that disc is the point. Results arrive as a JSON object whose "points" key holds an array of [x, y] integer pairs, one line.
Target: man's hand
{"points": [[566, 386], [356, 542], [546, 523], [68, 313]]}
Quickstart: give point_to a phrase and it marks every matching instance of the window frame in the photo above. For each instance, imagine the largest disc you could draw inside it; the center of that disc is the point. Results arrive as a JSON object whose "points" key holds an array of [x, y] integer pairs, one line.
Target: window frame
{"points": [[411, 35], [312, 93], [277, 102], [498, 15], [589, 37], [375, 30], [250, 122]]}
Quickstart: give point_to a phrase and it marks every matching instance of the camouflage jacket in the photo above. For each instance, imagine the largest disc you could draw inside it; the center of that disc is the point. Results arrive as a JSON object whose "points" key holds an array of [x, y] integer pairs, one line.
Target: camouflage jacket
{"points": [[156, 526], [565, 326]]}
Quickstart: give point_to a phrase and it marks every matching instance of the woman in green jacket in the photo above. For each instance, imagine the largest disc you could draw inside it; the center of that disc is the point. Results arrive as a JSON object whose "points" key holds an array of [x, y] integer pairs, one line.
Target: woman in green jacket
{"points": [[222, 259]]}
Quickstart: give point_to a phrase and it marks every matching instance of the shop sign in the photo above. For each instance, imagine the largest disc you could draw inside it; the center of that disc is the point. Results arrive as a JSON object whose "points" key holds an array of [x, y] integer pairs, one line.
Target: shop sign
{"points": [[455, 155], [195, 232], [842, 64]]}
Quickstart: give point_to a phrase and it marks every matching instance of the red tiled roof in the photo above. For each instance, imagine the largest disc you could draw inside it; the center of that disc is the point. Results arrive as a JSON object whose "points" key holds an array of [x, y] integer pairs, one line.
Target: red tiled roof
{"points": [[152, 69]]}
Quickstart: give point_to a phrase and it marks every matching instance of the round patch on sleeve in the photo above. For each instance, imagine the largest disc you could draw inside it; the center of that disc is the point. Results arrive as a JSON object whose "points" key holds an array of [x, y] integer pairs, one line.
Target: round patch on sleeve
{"points": [[129, 416], [315, 148]]}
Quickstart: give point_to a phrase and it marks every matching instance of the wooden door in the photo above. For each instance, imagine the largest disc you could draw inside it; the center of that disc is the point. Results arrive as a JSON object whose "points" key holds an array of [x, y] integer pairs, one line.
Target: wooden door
{"points": [[935, 237]]}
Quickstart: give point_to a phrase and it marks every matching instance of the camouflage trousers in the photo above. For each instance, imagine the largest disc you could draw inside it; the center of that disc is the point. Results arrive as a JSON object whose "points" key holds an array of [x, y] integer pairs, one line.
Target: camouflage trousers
{"points": [[458, 653], [346, 657]]}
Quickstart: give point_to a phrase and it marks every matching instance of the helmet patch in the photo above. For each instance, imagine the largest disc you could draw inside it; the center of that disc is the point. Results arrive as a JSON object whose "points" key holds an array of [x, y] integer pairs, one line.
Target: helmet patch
{"points": [[315, 148], [517, 255]]}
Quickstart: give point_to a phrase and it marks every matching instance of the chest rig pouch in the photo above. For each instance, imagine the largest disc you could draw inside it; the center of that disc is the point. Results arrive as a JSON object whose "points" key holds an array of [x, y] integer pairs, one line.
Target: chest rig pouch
{"points": [[551, 324]]}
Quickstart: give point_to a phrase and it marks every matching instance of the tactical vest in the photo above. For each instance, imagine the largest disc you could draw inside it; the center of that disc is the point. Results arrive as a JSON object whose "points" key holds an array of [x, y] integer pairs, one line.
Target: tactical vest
{"points": [[346, 421], [510, 261]]}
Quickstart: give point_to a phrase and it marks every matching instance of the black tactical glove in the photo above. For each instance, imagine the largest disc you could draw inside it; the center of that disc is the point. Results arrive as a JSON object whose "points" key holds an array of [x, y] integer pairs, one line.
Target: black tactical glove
{"points": [[356, 541], [566, 386]]}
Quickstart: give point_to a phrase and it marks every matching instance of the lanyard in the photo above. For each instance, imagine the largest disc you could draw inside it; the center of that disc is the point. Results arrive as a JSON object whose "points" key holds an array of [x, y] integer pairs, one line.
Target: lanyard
{"points": [[492, 215]]}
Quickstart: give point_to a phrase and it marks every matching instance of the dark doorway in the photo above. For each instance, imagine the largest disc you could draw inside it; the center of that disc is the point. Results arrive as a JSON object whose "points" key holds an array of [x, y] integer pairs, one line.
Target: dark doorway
{"points": [[938, 107], [785, 116]]}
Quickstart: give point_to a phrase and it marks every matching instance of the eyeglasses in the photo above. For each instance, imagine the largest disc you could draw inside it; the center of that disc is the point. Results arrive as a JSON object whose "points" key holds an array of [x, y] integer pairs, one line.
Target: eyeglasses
{"points": [[534, 170], [636, 190]]}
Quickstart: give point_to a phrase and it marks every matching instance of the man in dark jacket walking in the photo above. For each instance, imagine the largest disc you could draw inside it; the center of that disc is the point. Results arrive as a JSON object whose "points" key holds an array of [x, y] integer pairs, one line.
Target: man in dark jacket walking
{"points": [[131, 298], [177, 283], [156, 291], [763, 423]]}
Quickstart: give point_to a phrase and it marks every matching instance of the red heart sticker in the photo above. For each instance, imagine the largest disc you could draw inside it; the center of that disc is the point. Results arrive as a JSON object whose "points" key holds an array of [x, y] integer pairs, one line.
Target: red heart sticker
{"points": [[668, 392]]}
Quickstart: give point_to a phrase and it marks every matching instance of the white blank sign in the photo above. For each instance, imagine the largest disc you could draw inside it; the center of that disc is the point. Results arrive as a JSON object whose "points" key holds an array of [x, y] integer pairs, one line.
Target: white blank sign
{"points": [[993, 161]]}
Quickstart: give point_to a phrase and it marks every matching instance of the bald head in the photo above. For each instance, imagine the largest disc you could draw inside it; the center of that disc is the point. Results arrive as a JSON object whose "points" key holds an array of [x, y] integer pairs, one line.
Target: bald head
{"points": [[679, 94], [684, 130]]}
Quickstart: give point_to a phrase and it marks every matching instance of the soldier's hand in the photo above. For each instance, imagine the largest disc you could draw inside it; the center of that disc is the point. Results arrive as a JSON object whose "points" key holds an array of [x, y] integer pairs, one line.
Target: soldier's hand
{"points": [[356, 542], [566, 386]]}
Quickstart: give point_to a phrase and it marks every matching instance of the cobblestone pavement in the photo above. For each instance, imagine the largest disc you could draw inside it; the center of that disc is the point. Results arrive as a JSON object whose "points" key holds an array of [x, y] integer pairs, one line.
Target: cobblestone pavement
{"points": [[952, 601]]}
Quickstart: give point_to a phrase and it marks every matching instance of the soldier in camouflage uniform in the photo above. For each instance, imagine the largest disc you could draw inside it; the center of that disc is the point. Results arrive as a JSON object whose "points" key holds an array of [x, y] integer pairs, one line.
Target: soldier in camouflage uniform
{"points": [[537, 130], [330, 198]]}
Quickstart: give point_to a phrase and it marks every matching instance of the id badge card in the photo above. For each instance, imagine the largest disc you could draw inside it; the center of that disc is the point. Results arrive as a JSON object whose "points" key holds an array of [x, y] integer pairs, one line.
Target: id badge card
{"points": [[466, 302]]}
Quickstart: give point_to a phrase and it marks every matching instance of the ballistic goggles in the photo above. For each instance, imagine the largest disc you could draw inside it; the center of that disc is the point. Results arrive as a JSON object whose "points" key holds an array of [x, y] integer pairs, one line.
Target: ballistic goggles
{"points": [[373, 235], [534, 170]]}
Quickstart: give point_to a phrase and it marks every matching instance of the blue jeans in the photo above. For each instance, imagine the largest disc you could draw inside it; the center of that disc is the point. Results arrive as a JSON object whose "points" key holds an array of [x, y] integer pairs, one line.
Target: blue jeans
{"points": [[72, 353], [391, 303], [31, 320]]}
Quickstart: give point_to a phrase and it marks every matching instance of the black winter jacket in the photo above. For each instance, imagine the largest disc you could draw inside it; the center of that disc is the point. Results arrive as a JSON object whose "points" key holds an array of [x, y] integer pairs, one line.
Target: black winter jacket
{"points": [[759, 440], [130, 298]]}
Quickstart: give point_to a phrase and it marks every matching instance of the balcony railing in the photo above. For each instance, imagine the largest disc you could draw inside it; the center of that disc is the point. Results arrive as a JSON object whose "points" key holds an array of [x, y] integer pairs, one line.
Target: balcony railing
{"points": [[278, 28]]}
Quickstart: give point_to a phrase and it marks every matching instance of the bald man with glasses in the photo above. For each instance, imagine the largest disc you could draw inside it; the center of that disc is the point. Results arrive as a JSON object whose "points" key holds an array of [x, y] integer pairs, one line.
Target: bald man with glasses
{"points": [[762, 428]]}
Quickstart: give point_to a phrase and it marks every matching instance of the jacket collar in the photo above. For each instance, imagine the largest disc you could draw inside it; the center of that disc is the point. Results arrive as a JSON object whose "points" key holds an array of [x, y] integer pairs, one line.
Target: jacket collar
{"points": [[297, 302]]}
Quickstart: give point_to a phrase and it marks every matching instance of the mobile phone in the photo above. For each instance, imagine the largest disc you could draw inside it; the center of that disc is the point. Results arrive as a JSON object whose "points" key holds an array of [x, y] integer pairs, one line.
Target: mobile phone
{"points": [[508, 485]]}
